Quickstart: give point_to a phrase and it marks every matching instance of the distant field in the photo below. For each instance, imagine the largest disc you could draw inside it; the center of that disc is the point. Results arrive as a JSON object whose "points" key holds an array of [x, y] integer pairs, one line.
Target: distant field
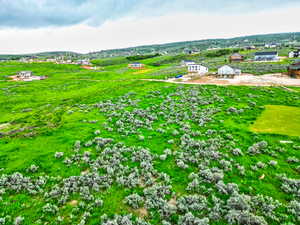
{"points": [[279, 120], [107, 147]]}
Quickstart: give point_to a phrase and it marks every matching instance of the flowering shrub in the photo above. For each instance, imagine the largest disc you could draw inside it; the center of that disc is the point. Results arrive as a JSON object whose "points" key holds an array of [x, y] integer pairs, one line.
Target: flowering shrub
{"points": [[33, 169], [294, 208], [190, 219], [291, 186], [135, 201], [18, 220], [49, 208], [257, 148], [191, 203]]}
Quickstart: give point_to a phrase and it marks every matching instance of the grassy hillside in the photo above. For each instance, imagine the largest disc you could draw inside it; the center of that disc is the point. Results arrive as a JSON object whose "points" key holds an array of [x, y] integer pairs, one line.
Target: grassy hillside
{"points": [[200, 45], [105, 147]]}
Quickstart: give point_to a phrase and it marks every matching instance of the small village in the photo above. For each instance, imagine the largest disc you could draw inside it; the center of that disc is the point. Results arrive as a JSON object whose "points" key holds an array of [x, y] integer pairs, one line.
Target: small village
{"points": [[57, 60], [197, 72], [231, 73]]}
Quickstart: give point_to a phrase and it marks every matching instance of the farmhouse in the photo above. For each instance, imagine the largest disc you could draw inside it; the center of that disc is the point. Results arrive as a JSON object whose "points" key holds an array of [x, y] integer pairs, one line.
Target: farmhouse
{"points": [[136, 65], [83, 62], [227, 70], [272, 45], [187, 63], [266, 56], [197, 68], [24, 74], [294, 54], [250, 47], [294, 70], [236, 57], [51, 60]]}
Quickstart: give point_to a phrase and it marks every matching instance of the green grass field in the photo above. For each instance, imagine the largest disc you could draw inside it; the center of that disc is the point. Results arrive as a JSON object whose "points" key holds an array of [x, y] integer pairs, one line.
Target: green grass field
{"points": [[175, 154], [279, 120]]}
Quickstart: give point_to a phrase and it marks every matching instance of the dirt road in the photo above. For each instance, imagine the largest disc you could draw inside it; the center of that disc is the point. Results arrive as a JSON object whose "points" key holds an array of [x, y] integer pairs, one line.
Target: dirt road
{"points": [[242, 80]]}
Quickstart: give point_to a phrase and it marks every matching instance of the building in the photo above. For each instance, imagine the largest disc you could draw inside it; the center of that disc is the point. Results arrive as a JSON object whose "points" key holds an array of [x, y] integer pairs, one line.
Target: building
{"points": [[24, 60], [227, 70], [294, 70], [83, 62], [51, 60], [236, 57], [136, 65], [271, 45], [24, 74], [187, 63], [197, 68], [250, 47], [294, 54], [266, 56]]}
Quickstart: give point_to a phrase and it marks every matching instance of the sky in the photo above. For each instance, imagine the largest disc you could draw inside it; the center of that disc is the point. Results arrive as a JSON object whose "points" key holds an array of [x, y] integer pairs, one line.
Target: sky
{"points": [[29, 26]]}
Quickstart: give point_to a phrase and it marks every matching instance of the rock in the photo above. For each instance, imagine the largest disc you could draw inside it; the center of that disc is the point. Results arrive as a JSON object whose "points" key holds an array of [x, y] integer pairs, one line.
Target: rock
{"points": [[262, 177]]}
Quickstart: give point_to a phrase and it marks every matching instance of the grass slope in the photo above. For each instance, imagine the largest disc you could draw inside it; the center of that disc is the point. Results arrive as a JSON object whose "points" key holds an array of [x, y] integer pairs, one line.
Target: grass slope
{"points": [[279, 119], [45, 117]]}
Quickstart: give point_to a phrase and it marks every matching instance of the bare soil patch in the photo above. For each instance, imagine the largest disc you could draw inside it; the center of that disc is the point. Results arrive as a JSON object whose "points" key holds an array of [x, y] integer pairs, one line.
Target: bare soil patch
{"points": [[251, 80], [4, 126], [173, 201], [73, 203], [142, 212], [277, 79]]}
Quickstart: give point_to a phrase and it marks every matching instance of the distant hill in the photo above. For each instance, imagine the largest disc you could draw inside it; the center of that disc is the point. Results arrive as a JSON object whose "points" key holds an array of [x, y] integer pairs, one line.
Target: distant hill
{"points": [[178, 47], [41, 54], [190, 46]]}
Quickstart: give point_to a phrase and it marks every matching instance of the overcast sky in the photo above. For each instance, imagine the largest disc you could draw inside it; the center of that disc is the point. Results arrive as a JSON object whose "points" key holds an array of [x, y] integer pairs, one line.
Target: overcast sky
{"points": [[28, 26]]}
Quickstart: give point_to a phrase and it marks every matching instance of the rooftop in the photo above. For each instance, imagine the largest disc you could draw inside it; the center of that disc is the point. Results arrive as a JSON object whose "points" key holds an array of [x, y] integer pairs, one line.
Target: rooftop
{"points": [[265, 53], [236, 55]]}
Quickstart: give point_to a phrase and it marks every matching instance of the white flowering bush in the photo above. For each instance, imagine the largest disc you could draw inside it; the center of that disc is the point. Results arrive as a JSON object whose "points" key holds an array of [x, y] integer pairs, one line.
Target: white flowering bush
{"points": [[58, 155], [135, 201], [192, 203], [50, 208], [190, 219], [257, 148]]}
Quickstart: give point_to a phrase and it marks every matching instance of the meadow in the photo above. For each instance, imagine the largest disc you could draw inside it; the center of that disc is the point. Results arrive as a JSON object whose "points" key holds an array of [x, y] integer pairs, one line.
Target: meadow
{"points": [[279, 120], [105, 147]]}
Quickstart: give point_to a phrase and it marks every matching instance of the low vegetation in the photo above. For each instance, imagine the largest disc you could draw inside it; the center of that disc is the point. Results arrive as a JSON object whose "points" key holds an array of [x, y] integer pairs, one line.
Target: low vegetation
{"points": [[106, 147], [141, 57]]}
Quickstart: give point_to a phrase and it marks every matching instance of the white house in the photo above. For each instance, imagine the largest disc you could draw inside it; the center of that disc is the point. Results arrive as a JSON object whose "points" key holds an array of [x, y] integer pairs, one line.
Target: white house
{"points": [[197, 68], [227, 70], [294, 54], [84, 62], [266, 56], [271, 45], [187, 63], [51, 60], [24, 74], [136, 65]]}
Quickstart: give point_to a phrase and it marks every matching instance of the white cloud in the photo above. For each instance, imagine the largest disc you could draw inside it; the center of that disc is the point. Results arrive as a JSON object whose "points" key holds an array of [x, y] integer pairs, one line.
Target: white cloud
{"points": [[129, 31]]}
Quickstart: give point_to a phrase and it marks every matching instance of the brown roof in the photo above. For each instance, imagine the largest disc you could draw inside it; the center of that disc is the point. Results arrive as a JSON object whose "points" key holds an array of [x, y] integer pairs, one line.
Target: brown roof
{"points": [[236, 56]]}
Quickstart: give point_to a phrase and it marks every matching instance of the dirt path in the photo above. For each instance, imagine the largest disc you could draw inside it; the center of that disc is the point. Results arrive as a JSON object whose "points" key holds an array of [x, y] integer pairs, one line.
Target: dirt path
{"points": [[242, 80]]}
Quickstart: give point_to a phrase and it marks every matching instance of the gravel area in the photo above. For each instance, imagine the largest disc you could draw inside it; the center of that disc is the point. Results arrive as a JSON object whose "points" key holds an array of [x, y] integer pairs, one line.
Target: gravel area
{"points": [[244, 79]]}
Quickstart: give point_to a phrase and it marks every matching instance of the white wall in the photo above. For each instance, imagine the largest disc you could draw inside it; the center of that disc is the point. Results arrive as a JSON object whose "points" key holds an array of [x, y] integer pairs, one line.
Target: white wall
{"points": [[226, 70], [197, 69]]}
